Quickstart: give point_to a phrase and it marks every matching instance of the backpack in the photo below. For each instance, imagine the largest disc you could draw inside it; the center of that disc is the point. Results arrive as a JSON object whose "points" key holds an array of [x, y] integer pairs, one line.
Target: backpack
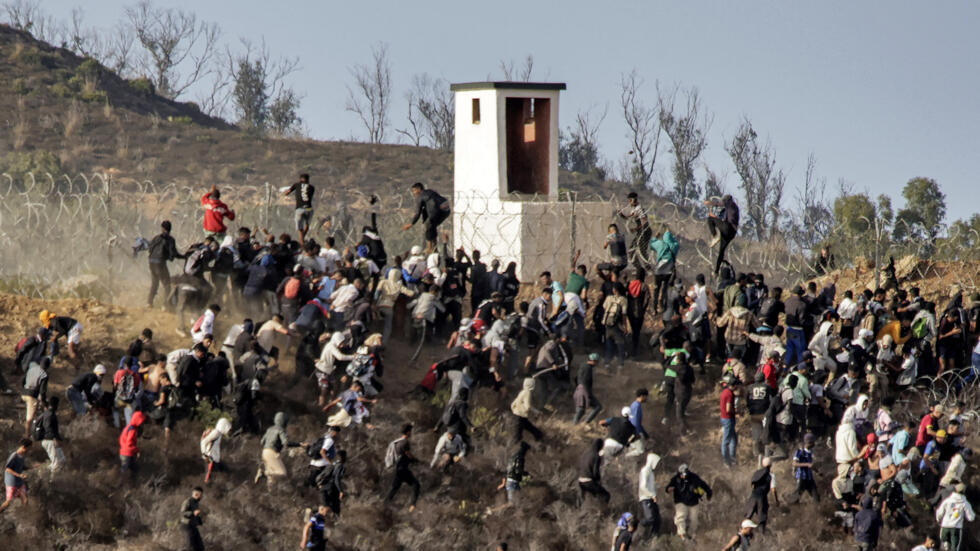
{"points": [[37, 427], [313, 452], [391, 456], [613, 316], [126, 390], [291, 290], [920, 328], [23, 342], [324, 477], [785, 415], [359, 365]]}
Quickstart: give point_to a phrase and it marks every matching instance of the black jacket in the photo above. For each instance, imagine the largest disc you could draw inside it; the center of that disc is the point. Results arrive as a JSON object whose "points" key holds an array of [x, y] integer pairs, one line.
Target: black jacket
{"points": [[163, 248], [688, 490], [590, 464]]}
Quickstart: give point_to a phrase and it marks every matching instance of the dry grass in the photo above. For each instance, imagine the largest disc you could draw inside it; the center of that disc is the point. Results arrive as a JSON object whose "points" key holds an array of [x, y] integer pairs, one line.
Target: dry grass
{"points": [[22, 127], [73, 119]]}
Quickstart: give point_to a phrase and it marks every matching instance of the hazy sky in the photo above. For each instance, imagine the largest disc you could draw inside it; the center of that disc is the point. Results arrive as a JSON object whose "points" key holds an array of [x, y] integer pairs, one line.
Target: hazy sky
{"points": [[879, 91]]}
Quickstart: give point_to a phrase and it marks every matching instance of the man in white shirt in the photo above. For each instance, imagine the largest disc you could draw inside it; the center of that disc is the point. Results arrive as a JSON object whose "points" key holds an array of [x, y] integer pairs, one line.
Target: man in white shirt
{"points": [[205, 324], [342, 300], [576, 309], [267, 335], [326, 454], [331, 258]]}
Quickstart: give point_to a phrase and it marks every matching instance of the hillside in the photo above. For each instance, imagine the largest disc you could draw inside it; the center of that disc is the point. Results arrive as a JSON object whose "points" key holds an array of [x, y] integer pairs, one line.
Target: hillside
{"points": [[93, 121]]}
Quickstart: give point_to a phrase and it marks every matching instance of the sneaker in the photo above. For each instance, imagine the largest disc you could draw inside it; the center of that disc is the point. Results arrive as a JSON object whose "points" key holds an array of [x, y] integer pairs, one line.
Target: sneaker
{"points": [[715, 239]]}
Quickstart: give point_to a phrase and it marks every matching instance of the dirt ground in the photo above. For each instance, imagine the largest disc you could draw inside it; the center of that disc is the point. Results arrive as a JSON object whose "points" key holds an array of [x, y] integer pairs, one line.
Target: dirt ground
{"points": [[89, 507]]}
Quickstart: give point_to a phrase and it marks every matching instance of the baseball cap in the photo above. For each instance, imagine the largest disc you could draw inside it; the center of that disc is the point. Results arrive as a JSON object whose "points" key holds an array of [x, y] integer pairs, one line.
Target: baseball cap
{"points": [[940, 433], [99, 370], [593, 357], [749, 524]]}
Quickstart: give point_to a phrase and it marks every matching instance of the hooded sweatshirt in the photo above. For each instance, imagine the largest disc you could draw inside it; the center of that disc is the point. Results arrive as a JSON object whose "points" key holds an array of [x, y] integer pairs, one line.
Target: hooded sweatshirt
{"points": [[847, 444], [275, 437], [867, 522], [856, 413], [389, 290], [953, 510], [522, 405], [214, 213], [211, 442], [128, 446], [647, 486]]}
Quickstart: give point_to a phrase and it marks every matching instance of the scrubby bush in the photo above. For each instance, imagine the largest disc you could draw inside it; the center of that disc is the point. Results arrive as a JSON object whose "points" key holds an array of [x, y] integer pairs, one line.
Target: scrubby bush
{"points": [[19, 86], [143, 86], [89, 69], [17, 165]]}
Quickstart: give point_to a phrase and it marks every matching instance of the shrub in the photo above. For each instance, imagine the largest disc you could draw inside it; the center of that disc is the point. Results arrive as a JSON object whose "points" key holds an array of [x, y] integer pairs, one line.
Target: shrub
{"points": [[19, 86], [89, 69], [29, 57], [62, 90], [183, 119], [48, 61], [92, 96], [17, 165], [143, 86]]}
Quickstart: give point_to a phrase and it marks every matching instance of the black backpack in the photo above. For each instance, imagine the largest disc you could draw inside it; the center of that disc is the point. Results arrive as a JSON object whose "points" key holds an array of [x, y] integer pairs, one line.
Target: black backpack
{"points": [[314, 450], [37, 426]]}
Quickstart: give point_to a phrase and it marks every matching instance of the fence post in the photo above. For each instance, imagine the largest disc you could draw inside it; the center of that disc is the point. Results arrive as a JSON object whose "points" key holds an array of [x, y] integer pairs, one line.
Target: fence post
{"points": [[268, 201], [571, 254]]}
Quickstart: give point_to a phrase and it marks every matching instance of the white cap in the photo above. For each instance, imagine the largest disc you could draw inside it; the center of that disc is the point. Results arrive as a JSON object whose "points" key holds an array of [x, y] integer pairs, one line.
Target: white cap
{"points": [[626, 411], [416, 250], [99, 370], [749, 524]]}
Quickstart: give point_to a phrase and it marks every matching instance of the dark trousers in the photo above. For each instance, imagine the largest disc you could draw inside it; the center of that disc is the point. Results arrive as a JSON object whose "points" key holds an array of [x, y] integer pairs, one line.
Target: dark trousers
{"points": [[727, 233], [809, 486], [192, 537], [158, 274], [331, 498], [669, 397], [404, 476], [661, 284], [522, 424], [636, 329], [594, 488], [758, 506], [681, 401], [651, 518]]}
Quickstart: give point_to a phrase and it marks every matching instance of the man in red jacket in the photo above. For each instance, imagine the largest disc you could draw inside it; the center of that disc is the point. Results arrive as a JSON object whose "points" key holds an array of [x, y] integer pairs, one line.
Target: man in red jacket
{"points": [[128, 444], [214, 214]]}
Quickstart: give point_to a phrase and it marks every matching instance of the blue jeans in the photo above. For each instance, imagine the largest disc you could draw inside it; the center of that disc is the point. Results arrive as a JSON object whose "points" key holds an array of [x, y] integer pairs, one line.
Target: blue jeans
{"points": [[795, 345], [729, 441], [974, 371]]}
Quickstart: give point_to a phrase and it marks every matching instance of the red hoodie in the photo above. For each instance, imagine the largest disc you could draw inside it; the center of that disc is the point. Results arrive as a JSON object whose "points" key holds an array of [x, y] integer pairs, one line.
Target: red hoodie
{"points": [[127, 440], [214, 213]]}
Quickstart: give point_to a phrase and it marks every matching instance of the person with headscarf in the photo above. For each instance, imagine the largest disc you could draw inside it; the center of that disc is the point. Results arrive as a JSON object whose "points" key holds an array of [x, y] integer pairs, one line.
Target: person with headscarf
{"points": [[385, 296], [522, 407], [273, 442], [820, 347], [857, 415], [590, 473], [847, 454], [648, 497], [211, 447]]}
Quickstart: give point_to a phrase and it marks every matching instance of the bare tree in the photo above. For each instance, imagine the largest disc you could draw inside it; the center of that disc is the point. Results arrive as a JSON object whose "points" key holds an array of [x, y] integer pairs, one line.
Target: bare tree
{"points": [[178, 49], [258, 89], [643, 131], [761, 182], [370, 98], [518, 73], [687, 128], [27, 15], [414, 132], [579, 152], [431, 113], [813, 217], [113, 48]]}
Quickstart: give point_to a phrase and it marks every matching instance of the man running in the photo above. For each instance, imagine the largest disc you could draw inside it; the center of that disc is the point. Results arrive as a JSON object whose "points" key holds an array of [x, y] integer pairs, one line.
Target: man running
{"points": [[433, 209], [215, 212], [190, 519], [304, 204]]}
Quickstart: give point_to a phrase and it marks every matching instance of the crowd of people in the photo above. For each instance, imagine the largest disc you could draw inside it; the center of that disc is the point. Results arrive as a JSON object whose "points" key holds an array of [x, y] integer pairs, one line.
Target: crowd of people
{"points": [[795, 371]]}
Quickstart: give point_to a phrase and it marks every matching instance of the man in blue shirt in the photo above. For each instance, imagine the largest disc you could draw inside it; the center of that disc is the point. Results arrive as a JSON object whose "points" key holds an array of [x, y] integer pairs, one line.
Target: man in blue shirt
{"points": [[803, 468], [314, 533], [636, 419]]}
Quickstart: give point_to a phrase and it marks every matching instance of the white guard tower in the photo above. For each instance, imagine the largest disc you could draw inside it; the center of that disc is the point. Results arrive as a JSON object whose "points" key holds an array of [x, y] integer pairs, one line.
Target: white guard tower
{"points": [[505, 201]]}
